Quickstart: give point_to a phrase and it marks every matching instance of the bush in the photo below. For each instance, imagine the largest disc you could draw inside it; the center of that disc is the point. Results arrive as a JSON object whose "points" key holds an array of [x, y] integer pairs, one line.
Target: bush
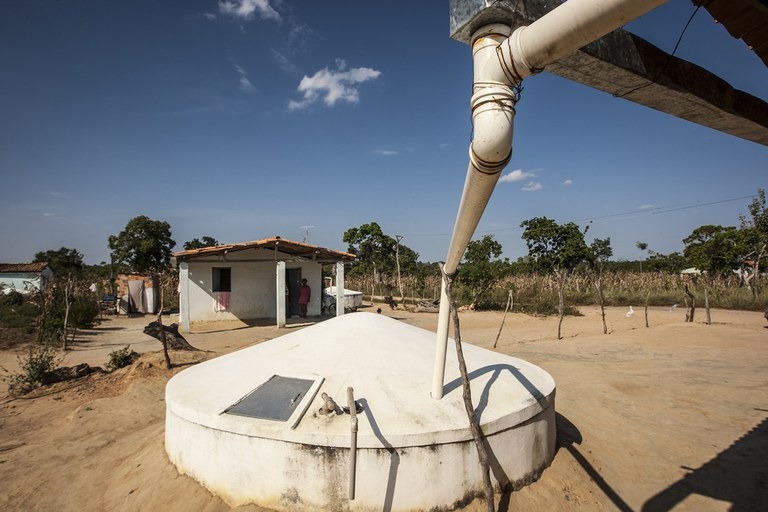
{"points": [[18, 313], [39, 361], [83, 314], [121, 358]]}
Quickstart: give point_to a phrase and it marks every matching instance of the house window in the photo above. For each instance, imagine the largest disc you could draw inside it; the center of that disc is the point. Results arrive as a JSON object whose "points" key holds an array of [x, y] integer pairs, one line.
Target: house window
{"points": [[222, 280]]}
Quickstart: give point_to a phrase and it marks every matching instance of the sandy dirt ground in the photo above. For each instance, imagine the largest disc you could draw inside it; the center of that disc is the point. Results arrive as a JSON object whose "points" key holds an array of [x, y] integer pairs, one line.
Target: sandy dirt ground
{"points": [[673, 416]]}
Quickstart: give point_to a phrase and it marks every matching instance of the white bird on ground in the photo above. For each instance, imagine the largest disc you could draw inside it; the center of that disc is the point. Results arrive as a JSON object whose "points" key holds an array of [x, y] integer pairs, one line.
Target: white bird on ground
{"points": [[630, 312]]}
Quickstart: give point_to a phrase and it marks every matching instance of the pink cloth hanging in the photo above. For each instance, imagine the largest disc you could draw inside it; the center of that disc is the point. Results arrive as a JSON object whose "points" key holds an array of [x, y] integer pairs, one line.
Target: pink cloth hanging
{"points": [[222, 301]]}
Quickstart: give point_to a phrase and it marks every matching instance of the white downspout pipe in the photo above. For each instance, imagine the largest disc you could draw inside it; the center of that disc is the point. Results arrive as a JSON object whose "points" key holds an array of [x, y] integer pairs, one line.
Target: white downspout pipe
{"points": [[501, 62], [493, 113], [352, 440]]}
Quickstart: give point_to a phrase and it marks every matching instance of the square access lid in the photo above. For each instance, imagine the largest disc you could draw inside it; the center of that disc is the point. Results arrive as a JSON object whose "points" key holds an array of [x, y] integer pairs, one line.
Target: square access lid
{"points": [[276, 399]]}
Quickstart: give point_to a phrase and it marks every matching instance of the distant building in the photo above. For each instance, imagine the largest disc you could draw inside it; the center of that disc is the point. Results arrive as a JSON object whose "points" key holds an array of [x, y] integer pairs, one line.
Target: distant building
{"points": [[137, 293], [241, 281], [24, 277]]}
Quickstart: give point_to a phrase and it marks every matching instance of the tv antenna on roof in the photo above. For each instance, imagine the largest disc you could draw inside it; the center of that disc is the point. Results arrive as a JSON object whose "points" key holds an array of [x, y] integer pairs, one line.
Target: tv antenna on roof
{"points": [[306, 232]]}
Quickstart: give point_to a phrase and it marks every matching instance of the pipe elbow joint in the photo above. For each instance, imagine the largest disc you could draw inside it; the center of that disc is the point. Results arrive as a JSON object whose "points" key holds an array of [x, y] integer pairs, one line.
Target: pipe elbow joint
{"points": [[493, 113]]}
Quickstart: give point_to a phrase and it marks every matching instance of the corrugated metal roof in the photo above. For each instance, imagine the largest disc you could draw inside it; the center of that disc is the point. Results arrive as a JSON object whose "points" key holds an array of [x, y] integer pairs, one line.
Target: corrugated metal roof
{"points": [[23, 267], [290, 247], [743, 19]]}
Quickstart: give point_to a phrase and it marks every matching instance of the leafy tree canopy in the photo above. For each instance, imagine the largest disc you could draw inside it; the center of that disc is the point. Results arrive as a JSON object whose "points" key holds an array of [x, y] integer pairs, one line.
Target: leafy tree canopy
{"points": [[144, 245], [755, 230], [601, 251], [716, 249], [671, 263], [63, 262], [757, 212], [553, 246], [481, 267], [207, 241], [377, 251]]}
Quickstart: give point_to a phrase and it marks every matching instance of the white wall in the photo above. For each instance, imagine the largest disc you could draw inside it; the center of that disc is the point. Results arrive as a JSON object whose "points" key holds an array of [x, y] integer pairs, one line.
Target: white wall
{"points": [[253, 287], [25, 281]]}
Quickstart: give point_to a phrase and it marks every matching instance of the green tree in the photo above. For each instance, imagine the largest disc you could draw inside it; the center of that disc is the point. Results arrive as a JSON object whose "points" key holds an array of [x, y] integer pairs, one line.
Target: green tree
{"points": [[556, 248], [552, 246], [207, 241], [714, 249], [755, 237], [671, 263], [144, 245], [377, 252], [481, 268], [641, 246], [601, 252], [63, 262]]}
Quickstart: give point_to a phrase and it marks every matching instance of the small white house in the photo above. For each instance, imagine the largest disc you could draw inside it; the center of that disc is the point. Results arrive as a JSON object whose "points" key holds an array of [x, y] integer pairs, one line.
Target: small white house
{"points": [[24, 277], [241, 281]]}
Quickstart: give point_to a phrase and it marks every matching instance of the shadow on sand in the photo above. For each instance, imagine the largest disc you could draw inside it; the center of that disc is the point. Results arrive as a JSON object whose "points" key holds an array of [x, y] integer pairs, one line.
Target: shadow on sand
{"points": [[568, 436], [738, 475]]}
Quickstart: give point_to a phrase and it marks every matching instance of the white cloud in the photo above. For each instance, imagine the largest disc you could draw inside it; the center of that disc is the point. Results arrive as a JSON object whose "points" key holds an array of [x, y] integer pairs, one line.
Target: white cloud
{"points": [[516, 175], [245, 9], [567, 183], [386, 152], [647, 206], [284, 63], [532, 186], [333, 85], [208, 16], [245, 84]]}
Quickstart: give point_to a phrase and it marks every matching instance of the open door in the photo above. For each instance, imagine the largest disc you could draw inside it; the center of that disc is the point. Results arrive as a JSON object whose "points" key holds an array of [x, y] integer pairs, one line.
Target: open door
{"points": [[293, 282]]}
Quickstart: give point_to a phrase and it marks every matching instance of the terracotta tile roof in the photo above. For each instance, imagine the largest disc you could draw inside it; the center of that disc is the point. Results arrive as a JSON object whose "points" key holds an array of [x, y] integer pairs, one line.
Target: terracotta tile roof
{"points": [[290, 247], [23, 267]]}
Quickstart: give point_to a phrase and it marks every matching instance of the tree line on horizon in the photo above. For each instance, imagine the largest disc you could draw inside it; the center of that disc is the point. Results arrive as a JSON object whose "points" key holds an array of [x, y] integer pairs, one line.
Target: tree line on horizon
{"points": [[735, 252]]}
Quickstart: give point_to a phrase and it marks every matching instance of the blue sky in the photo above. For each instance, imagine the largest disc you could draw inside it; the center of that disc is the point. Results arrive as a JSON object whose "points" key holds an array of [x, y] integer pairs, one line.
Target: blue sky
{"points": [[248, 119]]}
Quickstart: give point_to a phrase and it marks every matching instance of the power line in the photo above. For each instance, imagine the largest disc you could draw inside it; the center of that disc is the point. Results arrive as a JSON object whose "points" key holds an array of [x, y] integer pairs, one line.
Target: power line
{"points": [[657, 210]]}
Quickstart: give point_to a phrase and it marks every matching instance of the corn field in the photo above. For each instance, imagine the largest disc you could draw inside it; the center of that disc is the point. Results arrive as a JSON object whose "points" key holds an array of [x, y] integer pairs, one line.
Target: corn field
{"points": [[536, 293]]}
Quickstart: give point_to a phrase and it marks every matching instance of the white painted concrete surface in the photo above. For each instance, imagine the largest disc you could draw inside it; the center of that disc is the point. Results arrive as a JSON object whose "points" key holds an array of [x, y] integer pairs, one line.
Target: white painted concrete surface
{"points": [[413, 452]]}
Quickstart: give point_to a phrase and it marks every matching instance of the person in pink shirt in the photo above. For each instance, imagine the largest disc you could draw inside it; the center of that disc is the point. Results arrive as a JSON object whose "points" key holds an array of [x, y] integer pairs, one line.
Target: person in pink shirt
{"points": [[304, 293]]}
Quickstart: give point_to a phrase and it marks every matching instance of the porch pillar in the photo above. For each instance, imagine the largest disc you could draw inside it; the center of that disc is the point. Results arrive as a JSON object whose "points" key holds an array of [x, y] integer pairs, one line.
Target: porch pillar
{"points": [[280, 293], [340, 302], [184, 296]]}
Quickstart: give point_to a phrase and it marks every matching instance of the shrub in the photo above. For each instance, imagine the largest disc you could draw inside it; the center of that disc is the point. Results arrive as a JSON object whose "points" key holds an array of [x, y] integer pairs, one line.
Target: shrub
{"points": [[83, 314], [121, 358], [39, 361], [18, 313]]}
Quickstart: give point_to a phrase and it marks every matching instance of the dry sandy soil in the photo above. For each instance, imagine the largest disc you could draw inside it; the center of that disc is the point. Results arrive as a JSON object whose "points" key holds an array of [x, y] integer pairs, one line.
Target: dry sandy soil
{"points": [[668, 417]]}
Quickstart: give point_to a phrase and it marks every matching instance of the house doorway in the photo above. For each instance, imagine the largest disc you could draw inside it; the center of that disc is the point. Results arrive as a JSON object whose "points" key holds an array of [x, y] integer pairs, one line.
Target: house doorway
{"points": [[293, 282]]}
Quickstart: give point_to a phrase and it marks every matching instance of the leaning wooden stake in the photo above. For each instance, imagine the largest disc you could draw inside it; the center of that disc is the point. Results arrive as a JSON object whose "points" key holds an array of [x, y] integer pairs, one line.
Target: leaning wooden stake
{"points": [[477, 433], [162, 331], [509, 303], [647, 298], [706, 306], [67, 306], [691, 307]]}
